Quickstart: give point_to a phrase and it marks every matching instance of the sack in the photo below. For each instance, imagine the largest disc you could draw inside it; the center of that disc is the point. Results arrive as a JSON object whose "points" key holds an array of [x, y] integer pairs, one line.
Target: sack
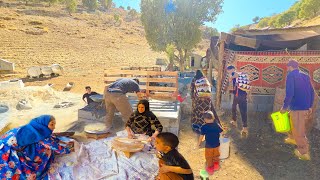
{"points": [[243, 82], [203, 87]]}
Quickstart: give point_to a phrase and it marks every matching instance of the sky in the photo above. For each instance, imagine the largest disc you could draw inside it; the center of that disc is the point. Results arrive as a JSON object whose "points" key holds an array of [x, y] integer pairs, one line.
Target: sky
{"points": [[235, 11]]}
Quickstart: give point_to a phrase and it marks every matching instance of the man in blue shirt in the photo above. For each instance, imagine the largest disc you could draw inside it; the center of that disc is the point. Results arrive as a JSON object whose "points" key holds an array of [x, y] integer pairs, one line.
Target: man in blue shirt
{"points": [[115, 98], [299, 100]]}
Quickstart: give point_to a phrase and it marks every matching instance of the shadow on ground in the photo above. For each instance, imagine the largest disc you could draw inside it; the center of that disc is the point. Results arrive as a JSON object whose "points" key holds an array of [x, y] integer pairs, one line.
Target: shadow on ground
{"points": [[271, 157]]}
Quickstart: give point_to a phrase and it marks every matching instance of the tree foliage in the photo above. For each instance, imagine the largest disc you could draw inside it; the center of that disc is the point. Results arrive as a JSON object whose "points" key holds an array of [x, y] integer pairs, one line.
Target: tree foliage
{"points": [[71, 5], [208, 32], [106, 4], [303, 9], [133, 13], [285, 19], [235, 28], [264, 22], [180, 28], [256, 19], [92, 5], [309, 9]]}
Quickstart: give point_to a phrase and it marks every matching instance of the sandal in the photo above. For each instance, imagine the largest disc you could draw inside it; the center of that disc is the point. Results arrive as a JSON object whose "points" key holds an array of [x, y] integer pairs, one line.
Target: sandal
{"points": [[234, 123], [244, 133]]}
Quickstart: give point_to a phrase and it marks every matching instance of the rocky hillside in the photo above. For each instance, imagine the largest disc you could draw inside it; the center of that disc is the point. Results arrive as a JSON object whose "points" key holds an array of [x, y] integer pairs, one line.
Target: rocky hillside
{"points": [[84, 44]]}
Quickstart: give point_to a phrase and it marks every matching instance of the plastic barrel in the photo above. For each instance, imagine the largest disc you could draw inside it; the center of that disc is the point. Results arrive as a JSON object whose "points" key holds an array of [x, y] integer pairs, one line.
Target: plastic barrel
{"points": [[281, 121], [224, 148]]}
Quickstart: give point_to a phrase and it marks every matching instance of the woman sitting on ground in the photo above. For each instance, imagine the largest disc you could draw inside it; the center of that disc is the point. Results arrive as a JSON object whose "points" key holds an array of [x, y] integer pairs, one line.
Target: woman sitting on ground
{"points": [[142, 120], [28, 151]]}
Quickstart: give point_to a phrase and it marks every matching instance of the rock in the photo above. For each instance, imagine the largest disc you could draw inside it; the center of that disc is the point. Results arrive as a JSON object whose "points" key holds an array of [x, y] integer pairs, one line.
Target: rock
{"points": [[64, 105], [23, 105]]}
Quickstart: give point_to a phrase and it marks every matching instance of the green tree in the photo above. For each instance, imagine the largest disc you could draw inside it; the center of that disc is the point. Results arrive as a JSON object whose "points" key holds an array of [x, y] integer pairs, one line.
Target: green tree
{"points": [[256, 19], [264, 22], [208, 32], [71, 6], [179, 28], [170, 54], [106, 4], [50, 2], [235, 28], [285, 18], [92, 5], [296, 7], [133, 13], [273, 21], [128, 8], [309, 9]]}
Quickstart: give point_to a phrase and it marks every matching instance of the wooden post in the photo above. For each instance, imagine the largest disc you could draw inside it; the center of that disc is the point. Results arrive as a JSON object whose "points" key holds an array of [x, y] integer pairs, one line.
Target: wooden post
{"points": [[220, 71], [210, 58], [147, 85]]}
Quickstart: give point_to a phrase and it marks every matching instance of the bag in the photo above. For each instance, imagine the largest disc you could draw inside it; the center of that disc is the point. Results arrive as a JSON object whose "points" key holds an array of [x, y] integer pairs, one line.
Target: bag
{"points": [[243, 82], [203, 87]]}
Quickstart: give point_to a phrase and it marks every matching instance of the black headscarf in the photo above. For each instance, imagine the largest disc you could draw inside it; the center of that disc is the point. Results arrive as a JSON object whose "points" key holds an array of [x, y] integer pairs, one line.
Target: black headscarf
{"points": [[199, 74], [146, 106]]}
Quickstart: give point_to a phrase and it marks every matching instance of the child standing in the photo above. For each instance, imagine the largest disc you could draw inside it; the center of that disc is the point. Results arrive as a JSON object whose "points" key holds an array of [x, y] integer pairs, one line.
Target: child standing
{"points": [[211, 130], [172, 164]]}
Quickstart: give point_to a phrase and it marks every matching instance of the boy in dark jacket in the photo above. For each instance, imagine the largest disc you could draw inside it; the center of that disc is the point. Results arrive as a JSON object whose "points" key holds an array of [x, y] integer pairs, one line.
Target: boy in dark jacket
{"points": [[172, 163]]}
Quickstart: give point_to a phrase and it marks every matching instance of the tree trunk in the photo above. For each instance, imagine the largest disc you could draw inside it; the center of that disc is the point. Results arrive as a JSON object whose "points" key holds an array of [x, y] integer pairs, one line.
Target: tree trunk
{"points": [[170, 65], [220, 71], [181, 60]]}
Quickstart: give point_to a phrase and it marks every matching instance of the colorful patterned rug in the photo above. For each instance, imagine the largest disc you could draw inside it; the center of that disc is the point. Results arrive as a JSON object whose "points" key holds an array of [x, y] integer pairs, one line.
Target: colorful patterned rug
{"points": [[267, 70]]}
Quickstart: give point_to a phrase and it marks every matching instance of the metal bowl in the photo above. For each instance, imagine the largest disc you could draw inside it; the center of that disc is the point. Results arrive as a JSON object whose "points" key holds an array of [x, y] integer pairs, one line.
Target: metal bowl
{"points": [[3, 108], [97, 97]]}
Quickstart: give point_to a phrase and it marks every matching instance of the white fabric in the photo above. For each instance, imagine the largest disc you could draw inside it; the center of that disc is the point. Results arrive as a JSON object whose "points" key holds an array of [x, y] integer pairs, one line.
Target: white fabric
{"points": [[96, 160]]}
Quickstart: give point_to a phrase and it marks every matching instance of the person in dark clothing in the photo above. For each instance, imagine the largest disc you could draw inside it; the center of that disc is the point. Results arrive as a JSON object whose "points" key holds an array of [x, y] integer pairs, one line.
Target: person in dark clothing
{"points": [[142, 120], [211, 131], [299, 101], [115, 98], [200, 104], [86, 97], [172, 164], [239, 98]]}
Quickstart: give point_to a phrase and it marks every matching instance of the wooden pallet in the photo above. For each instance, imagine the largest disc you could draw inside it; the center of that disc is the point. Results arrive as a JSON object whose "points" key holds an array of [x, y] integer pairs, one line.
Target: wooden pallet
{"points": [[152, 82]]}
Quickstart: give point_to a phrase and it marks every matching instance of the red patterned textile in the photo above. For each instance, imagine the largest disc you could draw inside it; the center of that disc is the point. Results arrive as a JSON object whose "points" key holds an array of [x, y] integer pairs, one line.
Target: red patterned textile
{"points": [[268, 70]]}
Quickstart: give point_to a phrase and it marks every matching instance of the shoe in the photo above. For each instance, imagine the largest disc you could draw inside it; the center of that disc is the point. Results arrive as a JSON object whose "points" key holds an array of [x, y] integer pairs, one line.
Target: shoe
{"points": [[234, 123], [304, 157], [204, 174], [210, 170], [216, 166], [290, 141], [244, 132]]}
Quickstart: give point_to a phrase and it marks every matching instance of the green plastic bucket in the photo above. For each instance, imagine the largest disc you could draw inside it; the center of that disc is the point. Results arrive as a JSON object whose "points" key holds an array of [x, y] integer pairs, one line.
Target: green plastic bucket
{"points": [[281, 121]]}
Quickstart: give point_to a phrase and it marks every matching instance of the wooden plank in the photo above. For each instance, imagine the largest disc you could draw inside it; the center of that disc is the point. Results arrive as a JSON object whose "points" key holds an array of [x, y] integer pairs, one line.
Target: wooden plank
{"points": [[140, 86], [140, 73], [159, 88], [116, 78], [128, 72], [164, 73], [166, 97], [150, 79]]}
